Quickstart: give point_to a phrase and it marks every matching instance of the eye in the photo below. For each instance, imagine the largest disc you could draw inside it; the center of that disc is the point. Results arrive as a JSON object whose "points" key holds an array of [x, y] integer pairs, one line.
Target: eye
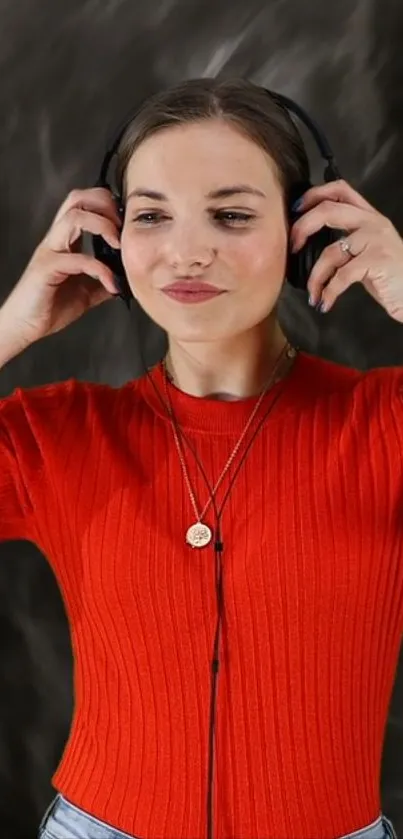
{"points": [[148, 218], [233, 217]]}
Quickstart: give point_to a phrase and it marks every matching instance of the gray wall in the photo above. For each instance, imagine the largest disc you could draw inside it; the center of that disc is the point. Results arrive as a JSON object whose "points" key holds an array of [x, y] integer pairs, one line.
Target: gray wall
{"points": [[70, 71]]}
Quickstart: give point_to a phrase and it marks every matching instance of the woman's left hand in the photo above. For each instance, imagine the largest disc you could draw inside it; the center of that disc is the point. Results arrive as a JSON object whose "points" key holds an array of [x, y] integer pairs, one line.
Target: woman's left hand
{"points": [[375, 250]]}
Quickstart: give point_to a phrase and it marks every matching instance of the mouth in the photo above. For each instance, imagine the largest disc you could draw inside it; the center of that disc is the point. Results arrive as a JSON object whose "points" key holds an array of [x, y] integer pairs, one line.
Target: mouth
{"points": [[191, 292]]}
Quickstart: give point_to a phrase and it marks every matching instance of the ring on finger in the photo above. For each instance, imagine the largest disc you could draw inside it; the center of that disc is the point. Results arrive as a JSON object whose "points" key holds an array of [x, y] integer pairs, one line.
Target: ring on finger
{"points": [[345, 246]]}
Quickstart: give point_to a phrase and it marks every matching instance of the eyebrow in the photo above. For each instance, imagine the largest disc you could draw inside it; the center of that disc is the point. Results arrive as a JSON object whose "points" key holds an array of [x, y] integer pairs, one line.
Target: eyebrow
{"points": [[223, 192]]}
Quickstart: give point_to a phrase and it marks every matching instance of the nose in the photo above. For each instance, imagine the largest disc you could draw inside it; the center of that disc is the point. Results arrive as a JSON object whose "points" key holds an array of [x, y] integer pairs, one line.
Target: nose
{"points": [[189, 249]]}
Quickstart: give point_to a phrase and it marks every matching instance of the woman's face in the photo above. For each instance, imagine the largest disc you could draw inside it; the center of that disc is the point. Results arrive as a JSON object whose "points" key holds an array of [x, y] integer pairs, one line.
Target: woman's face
{"points": [[235, 241]]}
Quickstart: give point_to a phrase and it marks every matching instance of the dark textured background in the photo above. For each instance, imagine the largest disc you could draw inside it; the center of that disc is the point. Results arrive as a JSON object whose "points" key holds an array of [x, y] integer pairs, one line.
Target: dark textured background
{"points": [[70, 71]]}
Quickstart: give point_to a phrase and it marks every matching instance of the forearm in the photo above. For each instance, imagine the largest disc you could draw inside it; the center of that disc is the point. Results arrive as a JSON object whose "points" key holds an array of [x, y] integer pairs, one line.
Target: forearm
{"points": [[10, 345]]}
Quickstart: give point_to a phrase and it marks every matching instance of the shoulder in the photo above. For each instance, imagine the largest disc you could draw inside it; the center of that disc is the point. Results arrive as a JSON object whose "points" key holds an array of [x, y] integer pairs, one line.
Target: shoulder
{"points": [[72, 401], [329, 376], [372, 397]]}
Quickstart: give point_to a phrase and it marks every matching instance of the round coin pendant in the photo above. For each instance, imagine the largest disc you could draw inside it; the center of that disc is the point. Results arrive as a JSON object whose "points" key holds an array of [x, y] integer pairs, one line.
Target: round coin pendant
{"points": [[198, 535]]}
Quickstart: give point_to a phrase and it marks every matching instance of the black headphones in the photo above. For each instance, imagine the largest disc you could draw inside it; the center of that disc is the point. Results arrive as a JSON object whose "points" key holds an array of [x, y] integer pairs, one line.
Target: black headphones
{"points": [[299, 265]]}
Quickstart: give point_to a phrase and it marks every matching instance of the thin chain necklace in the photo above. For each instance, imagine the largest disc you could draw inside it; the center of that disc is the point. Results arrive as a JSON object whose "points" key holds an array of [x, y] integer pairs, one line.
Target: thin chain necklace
{"points": [[199, 534]]}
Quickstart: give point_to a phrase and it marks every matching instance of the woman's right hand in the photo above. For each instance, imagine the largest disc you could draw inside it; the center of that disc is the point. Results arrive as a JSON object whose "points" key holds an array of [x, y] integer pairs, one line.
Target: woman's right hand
{"points": [[60, 283]]}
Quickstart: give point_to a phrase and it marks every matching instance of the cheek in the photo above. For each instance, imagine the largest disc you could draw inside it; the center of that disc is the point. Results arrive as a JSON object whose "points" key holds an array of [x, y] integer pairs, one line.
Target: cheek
{"points": [[260, 253], [137, 254]]}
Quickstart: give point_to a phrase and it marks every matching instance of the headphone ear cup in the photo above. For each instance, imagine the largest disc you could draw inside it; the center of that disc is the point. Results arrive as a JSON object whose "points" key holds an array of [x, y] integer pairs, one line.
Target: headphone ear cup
{"points": [[300, 264], [112, 258]]}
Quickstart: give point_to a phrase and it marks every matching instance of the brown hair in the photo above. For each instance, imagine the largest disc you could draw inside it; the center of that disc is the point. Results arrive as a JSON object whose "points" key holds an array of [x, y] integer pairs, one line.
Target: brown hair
{"points": [[242, 103]]}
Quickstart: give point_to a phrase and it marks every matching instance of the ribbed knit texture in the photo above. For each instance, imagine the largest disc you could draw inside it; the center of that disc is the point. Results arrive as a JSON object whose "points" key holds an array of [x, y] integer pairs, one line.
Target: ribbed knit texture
{"points": [[313, 593]]}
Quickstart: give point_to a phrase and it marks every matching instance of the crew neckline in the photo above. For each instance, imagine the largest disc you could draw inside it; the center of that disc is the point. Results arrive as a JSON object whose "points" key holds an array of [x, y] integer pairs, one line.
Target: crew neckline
{"points": [[205, 414]]}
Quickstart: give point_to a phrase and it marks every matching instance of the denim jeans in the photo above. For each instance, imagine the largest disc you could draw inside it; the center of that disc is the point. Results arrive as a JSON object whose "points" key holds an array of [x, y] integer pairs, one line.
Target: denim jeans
{"points": [[63, 820]]}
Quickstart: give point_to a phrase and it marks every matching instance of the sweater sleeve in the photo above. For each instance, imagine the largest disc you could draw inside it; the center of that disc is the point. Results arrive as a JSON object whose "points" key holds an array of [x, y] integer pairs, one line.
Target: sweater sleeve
{"points": [[30, 424], [17, 457], [379, 415], [15, 512], [396, 400]]}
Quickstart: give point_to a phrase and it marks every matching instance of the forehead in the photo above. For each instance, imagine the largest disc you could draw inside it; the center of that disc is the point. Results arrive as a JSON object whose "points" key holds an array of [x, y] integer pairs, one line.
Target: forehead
{"points": [[204, 150]]}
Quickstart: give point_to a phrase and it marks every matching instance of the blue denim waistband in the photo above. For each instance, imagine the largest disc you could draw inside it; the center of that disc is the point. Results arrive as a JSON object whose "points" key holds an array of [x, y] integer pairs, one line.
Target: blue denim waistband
{"points": [[61, 815]]}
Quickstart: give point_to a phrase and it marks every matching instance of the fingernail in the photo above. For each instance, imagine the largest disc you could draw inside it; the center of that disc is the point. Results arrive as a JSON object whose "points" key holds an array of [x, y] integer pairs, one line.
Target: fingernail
{"points": [[311, 300], [297, 205], [323, 306]]}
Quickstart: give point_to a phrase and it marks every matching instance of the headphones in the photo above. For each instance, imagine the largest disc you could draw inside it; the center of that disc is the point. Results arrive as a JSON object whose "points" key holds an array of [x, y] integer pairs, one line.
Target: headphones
{"points": [[299, 265]]}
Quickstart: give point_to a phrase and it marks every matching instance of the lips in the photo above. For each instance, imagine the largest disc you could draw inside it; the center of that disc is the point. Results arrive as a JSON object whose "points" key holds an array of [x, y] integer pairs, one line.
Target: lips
{"points": [[191, 291], [194, 286]]}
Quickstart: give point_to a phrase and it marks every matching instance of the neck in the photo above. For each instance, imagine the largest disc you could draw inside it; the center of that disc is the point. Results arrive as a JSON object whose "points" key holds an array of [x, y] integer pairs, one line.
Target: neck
{"points": [[227, 370]]}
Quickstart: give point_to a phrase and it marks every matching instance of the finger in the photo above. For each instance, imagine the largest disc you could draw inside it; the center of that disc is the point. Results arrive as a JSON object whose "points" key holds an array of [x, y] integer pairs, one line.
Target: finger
{"points": [[99, 295], [94, 291], [74, 223], [331, 260], [339, 216], [338, 190], [66, 264], [96, 199], [354, 272]]}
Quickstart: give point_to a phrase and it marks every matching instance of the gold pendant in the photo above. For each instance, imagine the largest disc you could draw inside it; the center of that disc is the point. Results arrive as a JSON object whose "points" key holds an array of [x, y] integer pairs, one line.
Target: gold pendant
{"points": [[198, 535]]}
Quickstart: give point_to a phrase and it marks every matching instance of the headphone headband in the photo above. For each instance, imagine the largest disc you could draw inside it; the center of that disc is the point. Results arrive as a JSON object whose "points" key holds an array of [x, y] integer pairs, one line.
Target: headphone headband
{"points": [[331, 172]]}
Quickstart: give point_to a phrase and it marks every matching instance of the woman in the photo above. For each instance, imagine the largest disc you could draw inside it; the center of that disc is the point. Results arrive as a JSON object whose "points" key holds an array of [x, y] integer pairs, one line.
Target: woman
{"points": [[238, 478]]}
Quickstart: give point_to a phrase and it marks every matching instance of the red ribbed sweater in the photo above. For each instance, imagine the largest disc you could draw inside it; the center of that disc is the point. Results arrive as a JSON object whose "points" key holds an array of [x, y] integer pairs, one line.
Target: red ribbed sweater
{"points": [[313, 593]]}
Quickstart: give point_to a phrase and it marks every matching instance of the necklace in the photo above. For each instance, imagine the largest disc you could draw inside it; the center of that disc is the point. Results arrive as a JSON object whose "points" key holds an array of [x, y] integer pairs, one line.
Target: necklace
{"points": [[199, 534]]}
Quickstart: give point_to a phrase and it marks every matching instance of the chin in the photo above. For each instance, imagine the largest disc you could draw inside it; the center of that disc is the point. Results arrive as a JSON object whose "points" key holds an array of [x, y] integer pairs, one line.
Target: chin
{"points": [[200, 327]]}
